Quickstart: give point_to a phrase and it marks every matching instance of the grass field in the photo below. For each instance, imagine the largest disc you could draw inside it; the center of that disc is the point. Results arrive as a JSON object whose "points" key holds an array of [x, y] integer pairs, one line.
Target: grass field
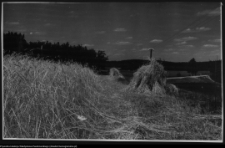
{"points": [[49, 100]]}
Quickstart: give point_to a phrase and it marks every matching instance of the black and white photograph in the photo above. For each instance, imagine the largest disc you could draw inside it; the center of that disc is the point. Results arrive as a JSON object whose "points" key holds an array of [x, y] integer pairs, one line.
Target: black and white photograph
{"points": [[112, 71]]}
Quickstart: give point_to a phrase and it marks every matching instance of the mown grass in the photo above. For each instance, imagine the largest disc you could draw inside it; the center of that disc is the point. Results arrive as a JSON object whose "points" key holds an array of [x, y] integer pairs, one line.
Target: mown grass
{"points": [[49, 100]]}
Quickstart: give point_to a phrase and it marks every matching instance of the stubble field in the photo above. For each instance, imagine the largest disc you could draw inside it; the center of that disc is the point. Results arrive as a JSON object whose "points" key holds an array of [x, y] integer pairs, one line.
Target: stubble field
{"points": [[42, 99]]}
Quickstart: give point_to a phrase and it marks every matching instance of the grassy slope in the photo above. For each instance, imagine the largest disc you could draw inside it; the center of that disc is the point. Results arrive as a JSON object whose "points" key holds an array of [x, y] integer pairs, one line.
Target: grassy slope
{"points": [[54, 100]]}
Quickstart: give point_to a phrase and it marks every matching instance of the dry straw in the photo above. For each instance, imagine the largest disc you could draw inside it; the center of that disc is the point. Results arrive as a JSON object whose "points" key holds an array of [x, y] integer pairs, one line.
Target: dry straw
{"points": [[150, 78], [171, 89], [115, 74]]}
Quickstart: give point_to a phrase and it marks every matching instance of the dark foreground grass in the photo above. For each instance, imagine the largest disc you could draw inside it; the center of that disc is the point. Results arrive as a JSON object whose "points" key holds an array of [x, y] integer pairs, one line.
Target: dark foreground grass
{"points": [[58, 101]]}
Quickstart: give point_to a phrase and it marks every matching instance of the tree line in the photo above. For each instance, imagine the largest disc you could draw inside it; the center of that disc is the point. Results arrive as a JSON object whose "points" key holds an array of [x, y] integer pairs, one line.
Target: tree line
{"points": [[15, 43]]}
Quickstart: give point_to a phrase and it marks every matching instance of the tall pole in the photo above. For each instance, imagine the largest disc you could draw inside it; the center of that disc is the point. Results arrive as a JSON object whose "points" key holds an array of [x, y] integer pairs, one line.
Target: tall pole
{"points": [[151, 49]]}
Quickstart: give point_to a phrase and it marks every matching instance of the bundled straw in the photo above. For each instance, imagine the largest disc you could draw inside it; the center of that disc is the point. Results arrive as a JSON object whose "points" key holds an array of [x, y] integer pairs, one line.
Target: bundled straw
{"points": [[115, 74], [149, 78], [171, 89]]}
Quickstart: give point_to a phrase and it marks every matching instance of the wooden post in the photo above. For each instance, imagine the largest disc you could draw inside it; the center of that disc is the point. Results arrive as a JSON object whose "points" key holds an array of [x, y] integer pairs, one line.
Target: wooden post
{"points": [[151, 49]]}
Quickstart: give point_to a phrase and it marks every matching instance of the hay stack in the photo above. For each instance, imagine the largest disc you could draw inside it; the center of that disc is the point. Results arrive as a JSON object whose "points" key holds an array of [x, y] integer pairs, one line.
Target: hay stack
{"points": [[149, 78], [171, 89], [115, 74]]}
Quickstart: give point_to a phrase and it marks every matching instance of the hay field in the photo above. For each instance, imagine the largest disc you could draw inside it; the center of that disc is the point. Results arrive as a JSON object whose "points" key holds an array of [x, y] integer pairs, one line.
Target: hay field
{"points": [[49, 100]]}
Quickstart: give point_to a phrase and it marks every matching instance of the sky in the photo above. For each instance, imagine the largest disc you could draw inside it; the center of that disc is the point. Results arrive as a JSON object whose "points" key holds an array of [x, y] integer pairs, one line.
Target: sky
{"points": [[177, 31]]}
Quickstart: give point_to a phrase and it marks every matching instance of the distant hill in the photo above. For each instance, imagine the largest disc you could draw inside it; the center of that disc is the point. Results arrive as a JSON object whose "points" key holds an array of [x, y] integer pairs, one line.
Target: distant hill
{"points": [[133, 64]]}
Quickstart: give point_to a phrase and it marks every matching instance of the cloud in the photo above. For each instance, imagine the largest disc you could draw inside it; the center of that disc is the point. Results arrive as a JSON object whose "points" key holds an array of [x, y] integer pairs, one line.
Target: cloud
{"points": [[122, 43], [198, 29], [132, 15], [214, 12], [51, 41], [130, 37], [181, 43], [185, 39], [100, 32], [202, 28], [117, 54], [48, 24], [187, 30], [144, 49], [187, 45], [156, 41], [139, 44], [21, 30], [175, 52], [12, 23], [120, 30], [215, 40], [208, 54], [183, 49], [37, 33], [135, 50], [88, 45], [210, 45], [169, 49], [72, 15]]}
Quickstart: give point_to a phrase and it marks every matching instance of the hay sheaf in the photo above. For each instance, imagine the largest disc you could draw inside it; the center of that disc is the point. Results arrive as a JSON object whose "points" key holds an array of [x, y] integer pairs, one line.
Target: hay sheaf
{"points": [[115, 74], [149, 78], [171, 89]]}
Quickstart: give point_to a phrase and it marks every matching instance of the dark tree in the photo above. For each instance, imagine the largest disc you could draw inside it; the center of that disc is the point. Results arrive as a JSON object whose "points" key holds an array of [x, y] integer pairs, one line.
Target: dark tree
{"points": [[192, 61], [101, 56], [14, 42], [192, 67]]}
